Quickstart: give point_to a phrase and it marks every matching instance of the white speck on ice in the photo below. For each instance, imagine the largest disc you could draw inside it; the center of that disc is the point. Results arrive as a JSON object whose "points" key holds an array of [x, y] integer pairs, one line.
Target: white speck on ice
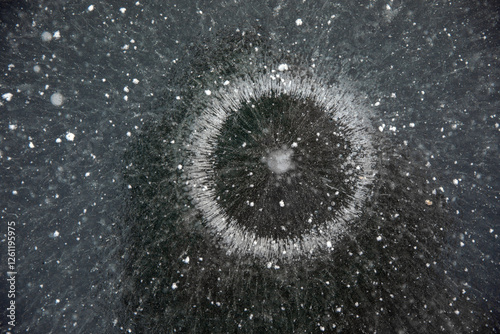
{"points": [[298, 22], [12, 126], [282, 203], [226, 83], [46, 36], [135, 81], [56, 234], [412, 125], [57, 99], [381, 128], [57, 35], [377, 104], [244, 144], [179, 166], [7, 96], [90, 8], [294, 144], [283, 67], [208, 92], [329, 244], [70, 136], [58, 140], [186, 260], [126, 89], [455, 182], [123, 10], [31, 145], [174, 286], [379, 238]]}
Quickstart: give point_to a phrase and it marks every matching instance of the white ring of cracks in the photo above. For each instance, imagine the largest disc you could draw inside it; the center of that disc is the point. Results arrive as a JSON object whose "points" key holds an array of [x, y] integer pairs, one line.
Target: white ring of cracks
{"points": [[342, 107]]}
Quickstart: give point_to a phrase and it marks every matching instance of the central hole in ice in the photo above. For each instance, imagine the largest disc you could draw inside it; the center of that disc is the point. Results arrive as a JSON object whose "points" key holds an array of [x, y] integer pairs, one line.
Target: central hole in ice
{"points": [[280, 161]]}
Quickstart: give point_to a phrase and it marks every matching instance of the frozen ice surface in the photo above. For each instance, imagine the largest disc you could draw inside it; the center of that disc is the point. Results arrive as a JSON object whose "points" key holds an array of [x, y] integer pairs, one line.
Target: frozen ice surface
{"points": [[68, 130]]}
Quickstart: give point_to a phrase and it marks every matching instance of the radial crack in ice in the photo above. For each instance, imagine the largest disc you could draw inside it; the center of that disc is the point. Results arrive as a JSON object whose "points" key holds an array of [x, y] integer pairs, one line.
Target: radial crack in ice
{"points": [[314, 141]]}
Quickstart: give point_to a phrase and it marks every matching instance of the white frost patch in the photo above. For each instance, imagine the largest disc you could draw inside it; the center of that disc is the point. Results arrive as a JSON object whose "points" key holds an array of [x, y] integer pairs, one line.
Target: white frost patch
{"points": [[57, 99], [7, 96], [280, 161], [70, 136], [299, 22], [208, 92]]}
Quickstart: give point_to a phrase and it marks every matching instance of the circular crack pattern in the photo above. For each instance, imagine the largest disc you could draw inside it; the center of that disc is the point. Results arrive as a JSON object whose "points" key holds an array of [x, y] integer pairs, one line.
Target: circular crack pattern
{"points": [[279, 164]]}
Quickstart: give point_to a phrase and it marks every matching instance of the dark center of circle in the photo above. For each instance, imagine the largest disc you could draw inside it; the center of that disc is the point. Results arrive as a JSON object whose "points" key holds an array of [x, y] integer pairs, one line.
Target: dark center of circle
{"points": [[283, 166]]}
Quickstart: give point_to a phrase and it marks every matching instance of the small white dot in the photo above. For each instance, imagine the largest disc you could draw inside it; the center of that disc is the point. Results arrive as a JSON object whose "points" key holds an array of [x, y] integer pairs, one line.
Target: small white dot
{"points": [[70, 136], [283, 67]]}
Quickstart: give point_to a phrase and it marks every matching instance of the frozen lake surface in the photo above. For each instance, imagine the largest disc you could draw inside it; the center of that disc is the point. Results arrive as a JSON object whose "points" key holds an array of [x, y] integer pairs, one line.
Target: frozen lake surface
{"points": [[253, 166]]}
